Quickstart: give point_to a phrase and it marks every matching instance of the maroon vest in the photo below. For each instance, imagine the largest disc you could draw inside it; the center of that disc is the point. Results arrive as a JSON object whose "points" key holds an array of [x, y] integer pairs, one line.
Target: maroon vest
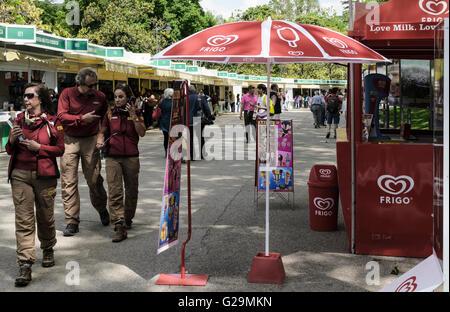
{"points": [[51, 146], [125, 142]]}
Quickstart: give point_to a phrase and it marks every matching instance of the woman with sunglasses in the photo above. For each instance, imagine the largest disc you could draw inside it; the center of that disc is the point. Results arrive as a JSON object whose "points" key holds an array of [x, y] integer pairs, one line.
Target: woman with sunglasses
{"points": [[34, 143], [119, 136]]}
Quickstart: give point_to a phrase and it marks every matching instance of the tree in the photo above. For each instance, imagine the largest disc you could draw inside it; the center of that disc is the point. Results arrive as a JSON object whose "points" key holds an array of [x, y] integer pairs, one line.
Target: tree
{"points": [[292, 8], [21, 12], [120, 23]]}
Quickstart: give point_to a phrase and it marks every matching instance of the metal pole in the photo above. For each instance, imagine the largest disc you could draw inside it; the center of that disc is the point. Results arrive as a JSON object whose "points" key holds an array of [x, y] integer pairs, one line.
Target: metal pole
{"points": [[267, 159], [352, 133]]}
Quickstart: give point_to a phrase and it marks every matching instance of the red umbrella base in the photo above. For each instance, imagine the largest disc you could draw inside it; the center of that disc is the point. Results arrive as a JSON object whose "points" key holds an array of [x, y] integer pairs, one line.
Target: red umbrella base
{"points": [[267, 269]]}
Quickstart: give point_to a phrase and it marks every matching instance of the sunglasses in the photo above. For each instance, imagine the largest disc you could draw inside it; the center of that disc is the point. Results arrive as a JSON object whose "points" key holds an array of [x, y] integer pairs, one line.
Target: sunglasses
{"points": [[119, 96], [28, 95]]}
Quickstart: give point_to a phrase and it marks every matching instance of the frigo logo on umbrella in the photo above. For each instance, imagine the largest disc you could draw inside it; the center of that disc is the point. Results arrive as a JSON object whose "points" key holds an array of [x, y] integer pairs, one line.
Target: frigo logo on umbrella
{"points": [[338, 43], [396, 186], [324, 206], [218, 42]]}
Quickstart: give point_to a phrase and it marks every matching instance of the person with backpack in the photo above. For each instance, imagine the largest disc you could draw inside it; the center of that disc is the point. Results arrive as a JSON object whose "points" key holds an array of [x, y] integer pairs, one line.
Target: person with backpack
{"points": [[332, 108]]}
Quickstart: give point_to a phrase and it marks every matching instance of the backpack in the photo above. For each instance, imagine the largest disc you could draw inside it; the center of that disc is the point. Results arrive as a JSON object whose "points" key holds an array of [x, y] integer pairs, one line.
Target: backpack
{"points": [[333, 104]]}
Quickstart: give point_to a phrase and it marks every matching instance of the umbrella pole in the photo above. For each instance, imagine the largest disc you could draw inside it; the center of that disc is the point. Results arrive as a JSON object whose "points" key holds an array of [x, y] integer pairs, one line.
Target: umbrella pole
{"points": [[267, 159], [267, 267]]}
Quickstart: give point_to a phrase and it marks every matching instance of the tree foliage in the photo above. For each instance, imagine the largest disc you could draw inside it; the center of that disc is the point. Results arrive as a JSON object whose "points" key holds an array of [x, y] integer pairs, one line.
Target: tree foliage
{"points": [[21, 12]]}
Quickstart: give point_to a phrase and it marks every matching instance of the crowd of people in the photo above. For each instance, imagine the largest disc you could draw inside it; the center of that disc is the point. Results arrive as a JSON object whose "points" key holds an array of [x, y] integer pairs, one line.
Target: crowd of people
{"points": [[83, 127]]}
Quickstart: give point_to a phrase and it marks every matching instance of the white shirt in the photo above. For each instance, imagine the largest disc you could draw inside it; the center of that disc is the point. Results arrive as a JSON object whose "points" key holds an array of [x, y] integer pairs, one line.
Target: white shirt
{"points": [[262, 113]]}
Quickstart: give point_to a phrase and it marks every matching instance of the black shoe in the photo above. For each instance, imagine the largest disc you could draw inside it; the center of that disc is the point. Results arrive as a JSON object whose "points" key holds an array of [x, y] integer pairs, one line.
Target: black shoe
{"points": [[71, 229], [48, 259], [24, 276], [128, 224], [328, 135], [104, 217]]}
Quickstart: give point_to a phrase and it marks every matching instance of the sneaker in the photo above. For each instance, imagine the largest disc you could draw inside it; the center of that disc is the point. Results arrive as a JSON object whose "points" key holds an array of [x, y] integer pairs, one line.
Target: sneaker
{"points": [[328, 135], [24, 276], [71, 229], [48, 259], [104, 217], [120, 233]]}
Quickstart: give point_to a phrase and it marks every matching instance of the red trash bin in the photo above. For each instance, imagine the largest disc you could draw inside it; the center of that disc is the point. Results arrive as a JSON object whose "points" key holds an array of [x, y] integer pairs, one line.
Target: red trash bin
{"points": [[323, 198]]}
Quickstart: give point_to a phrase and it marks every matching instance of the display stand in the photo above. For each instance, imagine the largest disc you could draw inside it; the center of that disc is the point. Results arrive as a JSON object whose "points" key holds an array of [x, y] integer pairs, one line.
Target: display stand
{"points": [[281, 161], [184, 279]]}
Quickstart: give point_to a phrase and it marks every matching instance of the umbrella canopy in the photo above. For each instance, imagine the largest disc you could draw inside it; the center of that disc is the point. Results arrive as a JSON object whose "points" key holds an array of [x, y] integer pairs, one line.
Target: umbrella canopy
{"points": [[275, 42]]}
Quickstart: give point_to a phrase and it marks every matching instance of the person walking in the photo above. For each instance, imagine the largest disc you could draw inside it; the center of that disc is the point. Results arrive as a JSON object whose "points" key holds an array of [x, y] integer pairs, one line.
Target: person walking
{"points": [[34, 143], [238, 102], [248, 104], [80, 110], [333, 106], [164, 122], [262, 104], [316, 108], [122, 127], [323, 94], [275, 97], [215, 103], [233, 103]]}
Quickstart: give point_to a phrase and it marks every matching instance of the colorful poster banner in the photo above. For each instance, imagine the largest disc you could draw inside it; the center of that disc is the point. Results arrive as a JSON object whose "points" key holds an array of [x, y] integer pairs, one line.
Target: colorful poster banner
{"points": [[281, 165], [170, 211]]}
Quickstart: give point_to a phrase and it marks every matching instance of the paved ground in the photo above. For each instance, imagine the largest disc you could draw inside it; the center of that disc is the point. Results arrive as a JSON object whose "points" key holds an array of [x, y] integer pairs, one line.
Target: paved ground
{"points": [[227, 231]]}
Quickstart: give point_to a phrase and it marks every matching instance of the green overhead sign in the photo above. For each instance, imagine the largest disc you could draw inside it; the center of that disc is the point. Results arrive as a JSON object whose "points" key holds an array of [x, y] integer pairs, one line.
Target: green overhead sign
{"points": [[222, 74], [77, 45], [17, 33], [178, 66], [96, 50], [2, 31], [192, 69], [115, 52], [50, 41]]}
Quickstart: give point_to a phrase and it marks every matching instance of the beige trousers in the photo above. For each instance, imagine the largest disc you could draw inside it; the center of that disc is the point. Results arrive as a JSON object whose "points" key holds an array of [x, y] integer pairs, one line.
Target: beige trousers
{"points": [[120, 172], [27, 193], [83, 148]]}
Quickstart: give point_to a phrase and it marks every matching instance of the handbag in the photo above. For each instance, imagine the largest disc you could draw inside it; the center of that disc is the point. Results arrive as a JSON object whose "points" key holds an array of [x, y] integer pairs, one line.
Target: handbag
{"points": [[157, 113]]}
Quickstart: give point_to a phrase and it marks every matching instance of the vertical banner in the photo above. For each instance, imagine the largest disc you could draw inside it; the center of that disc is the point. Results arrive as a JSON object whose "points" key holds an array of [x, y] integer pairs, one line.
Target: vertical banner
{"points": [[281, 173], [170, 211]]}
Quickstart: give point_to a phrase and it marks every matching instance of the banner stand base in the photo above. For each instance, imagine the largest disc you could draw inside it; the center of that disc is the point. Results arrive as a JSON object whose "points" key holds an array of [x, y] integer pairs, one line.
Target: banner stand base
{"points": [[188, 280], [267, 269]]}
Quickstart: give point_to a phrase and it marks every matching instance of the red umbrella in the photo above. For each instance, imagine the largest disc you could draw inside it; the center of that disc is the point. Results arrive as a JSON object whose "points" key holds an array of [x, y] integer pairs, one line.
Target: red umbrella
{"points": [[268, 42], [274, 42]]}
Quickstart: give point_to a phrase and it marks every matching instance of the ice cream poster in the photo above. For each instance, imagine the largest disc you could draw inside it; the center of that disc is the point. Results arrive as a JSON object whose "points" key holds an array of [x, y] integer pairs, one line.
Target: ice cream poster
{"points": [[280, 179], [168, 234], [168, 230]]}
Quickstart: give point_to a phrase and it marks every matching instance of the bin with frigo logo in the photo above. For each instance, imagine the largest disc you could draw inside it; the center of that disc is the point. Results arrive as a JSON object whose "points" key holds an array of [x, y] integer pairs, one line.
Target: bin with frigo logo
{"points": [[323, 198]]}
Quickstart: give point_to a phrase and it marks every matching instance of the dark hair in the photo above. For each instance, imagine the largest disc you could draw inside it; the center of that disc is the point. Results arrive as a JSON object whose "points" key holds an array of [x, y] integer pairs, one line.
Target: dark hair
{"points": [[272, 87], [80, 78], [251, 87], [262, 87], [126, 89], [44, 95]]}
